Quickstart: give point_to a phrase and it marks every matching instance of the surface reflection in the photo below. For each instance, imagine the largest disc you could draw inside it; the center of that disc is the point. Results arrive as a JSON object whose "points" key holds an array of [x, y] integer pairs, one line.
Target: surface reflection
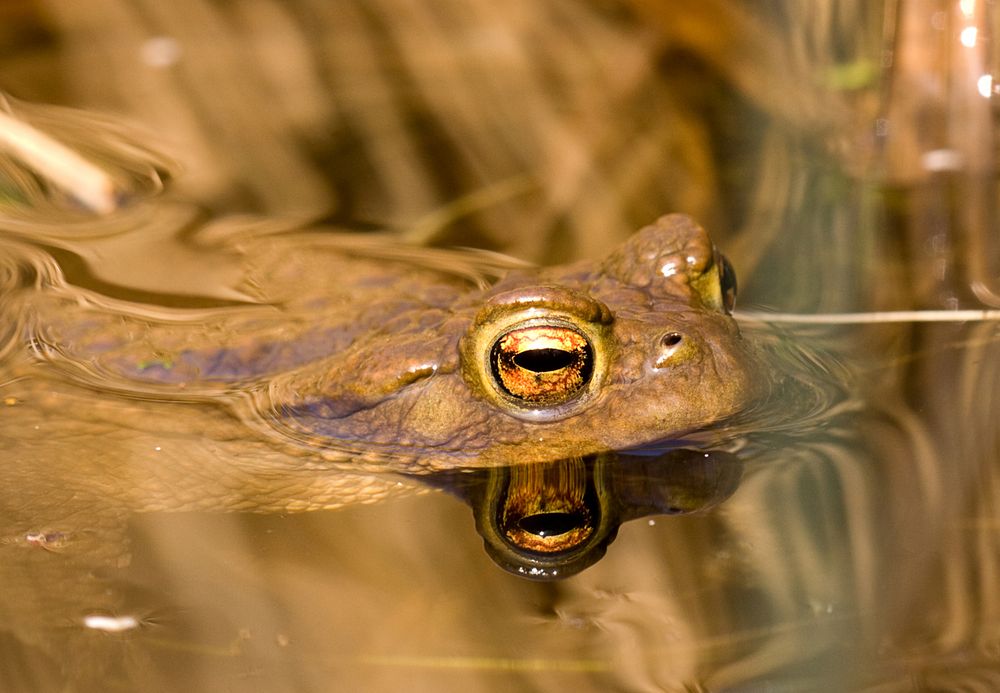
{"points": [[550, 521]]}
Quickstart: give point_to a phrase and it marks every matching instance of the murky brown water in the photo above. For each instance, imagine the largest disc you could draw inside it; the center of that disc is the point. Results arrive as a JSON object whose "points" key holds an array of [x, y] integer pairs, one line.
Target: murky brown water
{"points": [[842, 534]]}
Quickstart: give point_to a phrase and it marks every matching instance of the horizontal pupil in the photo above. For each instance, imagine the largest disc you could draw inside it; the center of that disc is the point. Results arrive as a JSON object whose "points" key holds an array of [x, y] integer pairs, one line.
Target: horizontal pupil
{"points": [[551, 524], [543, 360]]}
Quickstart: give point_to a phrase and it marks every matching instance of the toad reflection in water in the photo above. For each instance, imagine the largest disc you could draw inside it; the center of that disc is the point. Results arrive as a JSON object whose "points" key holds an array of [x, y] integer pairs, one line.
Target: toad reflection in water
{"points": [[552, 520]]}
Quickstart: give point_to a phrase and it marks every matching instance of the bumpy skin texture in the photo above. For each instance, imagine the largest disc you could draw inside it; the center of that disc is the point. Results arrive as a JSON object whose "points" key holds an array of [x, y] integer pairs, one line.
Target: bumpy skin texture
{"points": [[349, 360], [362, 360], [426, 386]]}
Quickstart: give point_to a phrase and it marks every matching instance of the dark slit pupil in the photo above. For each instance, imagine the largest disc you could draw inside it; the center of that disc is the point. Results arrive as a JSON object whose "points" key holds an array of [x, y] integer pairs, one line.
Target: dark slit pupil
{"points": [[543, 360], [551, 524]]}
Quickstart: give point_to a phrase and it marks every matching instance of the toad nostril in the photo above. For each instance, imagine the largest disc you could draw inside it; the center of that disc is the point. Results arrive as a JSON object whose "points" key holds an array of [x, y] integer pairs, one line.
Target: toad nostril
{"points": [[671, 348], [671, 339]]}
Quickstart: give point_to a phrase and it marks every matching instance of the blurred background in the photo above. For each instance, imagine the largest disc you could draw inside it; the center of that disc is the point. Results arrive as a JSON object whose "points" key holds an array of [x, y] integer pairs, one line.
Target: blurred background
{"points": [[548, 130]]}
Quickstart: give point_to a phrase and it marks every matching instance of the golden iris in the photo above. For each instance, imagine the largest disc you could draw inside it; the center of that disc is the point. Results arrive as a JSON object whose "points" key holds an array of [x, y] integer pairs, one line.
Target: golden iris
{"points": [[542, 364]]}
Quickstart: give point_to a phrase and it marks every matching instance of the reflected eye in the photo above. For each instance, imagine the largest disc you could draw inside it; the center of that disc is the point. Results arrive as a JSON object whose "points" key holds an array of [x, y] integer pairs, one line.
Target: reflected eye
{"points": [[552, 524], [542, 364], [549, 509], [551, 532]]}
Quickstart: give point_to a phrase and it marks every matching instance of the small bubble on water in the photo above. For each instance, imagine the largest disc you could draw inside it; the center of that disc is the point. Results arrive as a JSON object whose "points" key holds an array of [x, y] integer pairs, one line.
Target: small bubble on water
{"points": [[110, 624]]}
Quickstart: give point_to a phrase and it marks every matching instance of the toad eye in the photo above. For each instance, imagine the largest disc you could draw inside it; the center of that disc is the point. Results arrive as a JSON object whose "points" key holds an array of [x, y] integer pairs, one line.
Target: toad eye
{"points": [[542, 364]]}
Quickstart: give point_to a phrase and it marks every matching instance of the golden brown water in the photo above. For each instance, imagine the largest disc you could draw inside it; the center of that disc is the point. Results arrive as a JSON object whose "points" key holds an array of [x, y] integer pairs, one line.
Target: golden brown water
{"points": [[860, 550]]}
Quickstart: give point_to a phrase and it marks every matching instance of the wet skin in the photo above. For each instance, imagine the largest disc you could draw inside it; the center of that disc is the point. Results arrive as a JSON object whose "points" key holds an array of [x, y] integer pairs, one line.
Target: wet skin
{"points": [[405, 363], [347, 359]]}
